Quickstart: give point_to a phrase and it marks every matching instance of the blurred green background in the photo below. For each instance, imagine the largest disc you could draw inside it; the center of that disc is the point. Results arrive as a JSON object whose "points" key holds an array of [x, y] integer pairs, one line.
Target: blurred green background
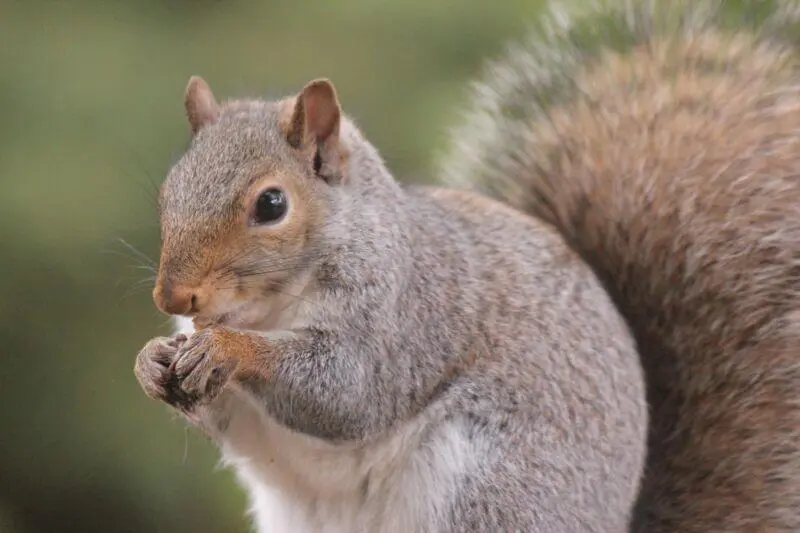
{"points": [[91, 118]]}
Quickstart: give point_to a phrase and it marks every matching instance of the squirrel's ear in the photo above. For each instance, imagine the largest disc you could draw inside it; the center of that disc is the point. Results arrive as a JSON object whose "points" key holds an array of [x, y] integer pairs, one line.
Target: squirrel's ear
{"points": [[313, 127], [201, 106]]}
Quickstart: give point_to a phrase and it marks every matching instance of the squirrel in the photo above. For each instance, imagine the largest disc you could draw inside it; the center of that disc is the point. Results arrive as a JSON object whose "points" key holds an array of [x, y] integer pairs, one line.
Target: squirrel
{"points": [[589, 325]]}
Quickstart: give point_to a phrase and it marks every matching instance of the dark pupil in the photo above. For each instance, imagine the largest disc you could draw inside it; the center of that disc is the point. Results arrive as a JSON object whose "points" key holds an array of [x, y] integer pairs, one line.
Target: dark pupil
{"points": [[271, 206]]}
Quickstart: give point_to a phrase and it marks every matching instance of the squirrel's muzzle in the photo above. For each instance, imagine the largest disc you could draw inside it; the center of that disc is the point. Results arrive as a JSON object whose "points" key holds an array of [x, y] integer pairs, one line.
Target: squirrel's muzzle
{"points": [[174, 299]]}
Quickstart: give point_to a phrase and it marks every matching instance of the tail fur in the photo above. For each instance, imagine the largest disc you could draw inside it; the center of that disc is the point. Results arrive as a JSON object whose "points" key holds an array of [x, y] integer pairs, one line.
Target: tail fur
{"points": [[662, 138]]}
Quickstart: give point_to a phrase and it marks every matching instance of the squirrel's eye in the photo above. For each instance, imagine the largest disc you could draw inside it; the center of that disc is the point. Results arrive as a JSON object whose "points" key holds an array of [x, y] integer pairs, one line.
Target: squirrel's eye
{"points": [[270, 206]]}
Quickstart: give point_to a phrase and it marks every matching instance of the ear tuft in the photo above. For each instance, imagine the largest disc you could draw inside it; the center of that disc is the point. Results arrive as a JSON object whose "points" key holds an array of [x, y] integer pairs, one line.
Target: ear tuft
{"points": [[201, 106]]}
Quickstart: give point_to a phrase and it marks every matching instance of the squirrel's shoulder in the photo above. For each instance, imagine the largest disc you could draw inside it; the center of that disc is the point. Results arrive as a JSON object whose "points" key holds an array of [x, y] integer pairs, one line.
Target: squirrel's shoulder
{"points": [[469, 203], [502, 235], [478, 210]]}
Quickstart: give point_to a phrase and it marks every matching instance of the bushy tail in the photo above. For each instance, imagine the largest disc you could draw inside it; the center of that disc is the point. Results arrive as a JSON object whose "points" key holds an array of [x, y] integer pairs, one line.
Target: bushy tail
{"points": [[663, 140]]}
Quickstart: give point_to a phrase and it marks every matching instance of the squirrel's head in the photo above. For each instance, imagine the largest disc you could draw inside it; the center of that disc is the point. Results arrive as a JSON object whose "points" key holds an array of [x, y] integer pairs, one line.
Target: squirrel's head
{"points": [[241, 209]]}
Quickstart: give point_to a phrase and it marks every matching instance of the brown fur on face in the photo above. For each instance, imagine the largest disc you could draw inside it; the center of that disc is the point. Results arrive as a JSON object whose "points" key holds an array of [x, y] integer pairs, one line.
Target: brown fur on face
{"points": [[241, 260], [223, 267]]}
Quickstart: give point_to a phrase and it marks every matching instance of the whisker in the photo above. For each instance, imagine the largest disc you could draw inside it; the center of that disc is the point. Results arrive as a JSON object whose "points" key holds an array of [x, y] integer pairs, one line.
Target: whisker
{"points": [[167, 322], [139, 280], [232, 259], [133, 291], [251, 281], [139, 262], [267, 267], [260, 262], [295, 296], [246, 275], [132, 253], [136, 251], [138, 286]]}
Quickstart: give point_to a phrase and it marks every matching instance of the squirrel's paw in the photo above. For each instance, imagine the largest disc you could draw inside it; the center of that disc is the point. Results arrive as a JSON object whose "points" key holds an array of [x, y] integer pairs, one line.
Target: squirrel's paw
{"points": [[152, 366], [200, 369]]}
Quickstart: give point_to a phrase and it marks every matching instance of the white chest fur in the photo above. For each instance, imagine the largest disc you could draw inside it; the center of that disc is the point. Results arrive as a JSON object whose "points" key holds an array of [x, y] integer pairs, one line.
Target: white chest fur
{"points": [[300, 484]]}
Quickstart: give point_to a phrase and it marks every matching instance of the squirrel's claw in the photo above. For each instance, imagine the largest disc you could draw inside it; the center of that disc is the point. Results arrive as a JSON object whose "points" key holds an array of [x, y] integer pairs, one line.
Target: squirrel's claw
{"points": [[152, 367], [198, 371]]}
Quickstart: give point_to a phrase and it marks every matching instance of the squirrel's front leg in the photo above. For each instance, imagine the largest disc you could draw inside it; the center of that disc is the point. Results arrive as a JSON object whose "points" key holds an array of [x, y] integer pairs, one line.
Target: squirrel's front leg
{"points": [[188, 373], [305, 379]]}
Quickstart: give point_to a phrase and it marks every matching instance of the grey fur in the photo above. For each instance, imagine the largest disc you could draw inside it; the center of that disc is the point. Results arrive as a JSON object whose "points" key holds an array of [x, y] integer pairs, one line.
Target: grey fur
{"points": [[434, 308], [662, 168]]}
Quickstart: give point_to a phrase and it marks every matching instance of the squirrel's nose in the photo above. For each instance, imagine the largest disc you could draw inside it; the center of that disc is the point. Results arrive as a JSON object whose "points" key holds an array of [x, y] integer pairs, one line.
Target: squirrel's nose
{"points": [[175, 300]]}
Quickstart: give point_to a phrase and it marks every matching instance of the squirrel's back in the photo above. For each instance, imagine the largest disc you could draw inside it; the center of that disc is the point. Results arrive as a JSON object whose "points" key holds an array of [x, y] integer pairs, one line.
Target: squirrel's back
{"points": [[662, 139]]}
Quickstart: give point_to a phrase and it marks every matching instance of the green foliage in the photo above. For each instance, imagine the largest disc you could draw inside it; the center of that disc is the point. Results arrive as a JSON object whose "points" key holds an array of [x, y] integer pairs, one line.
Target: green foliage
{"points": [[91, 94]]}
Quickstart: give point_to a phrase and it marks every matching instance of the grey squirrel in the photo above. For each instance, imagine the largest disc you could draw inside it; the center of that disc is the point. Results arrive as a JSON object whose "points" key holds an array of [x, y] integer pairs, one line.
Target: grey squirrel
{"points": [[606, 345]]}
